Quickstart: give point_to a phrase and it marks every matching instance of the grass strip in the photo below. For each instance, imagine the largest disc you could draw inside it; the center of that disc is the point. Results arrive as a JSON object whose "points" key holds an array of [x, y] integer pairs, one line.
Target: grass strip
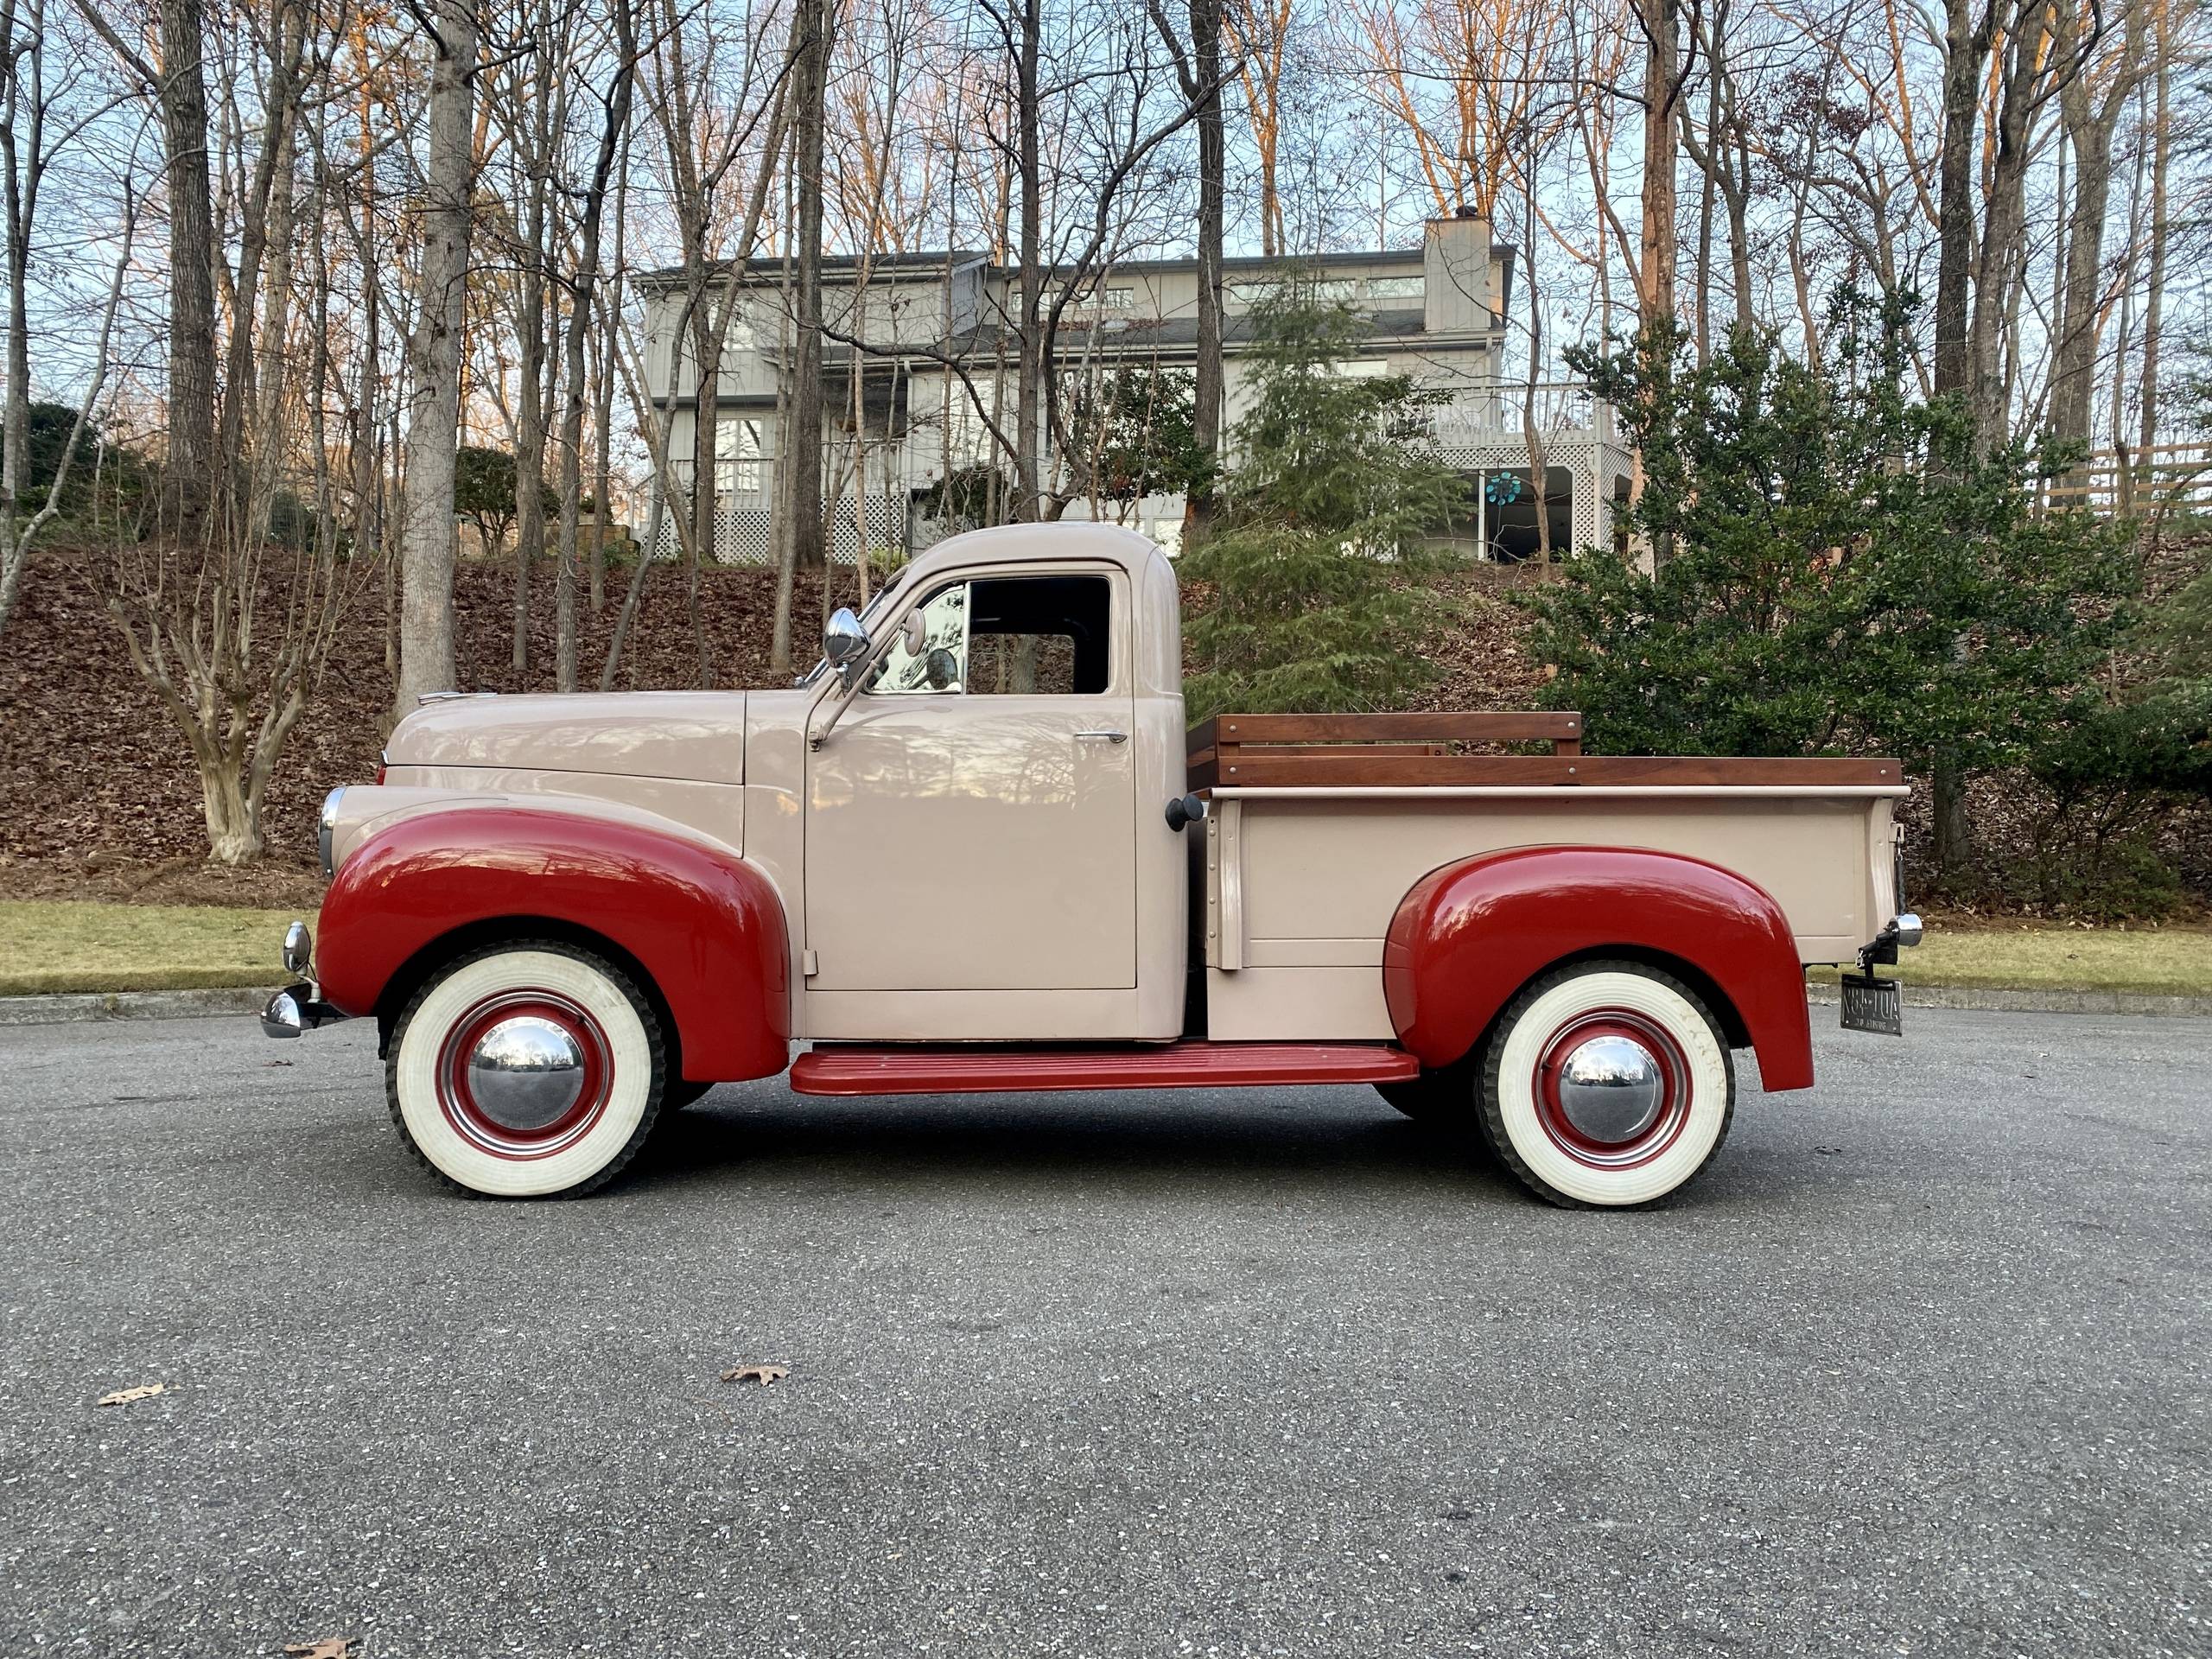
{"points": [[48, 947]]}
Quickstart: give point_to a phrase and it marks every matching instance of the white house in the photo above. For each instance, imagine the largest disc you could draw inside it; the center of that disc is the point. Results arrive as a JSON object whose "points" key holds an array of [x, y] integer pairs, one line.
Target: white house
{"points": [[935, 326]]}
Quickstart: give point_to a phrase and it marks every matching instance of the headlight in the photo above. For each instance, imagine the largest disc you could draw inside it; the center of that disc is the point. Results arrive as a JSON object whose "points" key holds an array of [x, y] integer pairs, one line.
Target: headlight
{"points": [[323, 837]]}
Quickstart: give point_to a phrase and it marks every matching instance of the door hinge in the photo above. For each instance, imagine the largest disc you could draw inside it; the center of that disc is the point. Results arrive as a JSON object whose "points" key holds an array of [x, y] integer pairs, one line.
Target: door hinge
{"points": [[808, 964]]}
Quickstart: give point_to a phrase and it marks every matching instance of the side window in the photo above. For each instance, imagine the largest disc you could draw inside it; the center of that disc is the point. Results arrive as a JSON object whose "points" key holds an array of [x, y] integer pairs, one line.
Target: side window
{"points": [[1049, 636]]}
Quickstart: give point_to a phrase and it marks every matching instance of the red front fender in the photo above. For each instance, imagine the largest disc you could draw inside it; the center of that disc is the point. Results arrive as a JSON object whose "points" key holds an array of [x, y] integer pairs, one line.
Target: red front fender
{"points": [[706, 926], [1469, 935]]}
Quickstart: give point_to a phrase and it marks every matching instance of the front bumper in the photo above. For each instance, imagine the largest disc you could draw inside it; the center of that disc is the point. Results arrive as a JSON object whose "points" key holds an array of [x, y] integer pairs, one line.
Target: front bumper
{"points": [[297, 1008]]}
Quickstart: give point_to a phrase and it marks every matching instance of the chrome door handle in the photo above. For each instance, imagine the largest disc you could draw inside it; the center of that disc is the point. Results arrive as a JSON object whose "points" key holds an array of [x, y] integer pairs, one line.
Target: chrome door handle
{"points": [[1107, 737]]}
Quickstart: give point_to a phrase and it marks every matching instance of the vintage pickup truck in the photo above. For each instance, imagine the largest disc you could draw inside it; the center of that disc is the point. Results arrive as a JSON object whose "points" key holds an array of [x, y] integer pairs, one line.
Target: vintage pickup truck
{"points": [[977, 849]]}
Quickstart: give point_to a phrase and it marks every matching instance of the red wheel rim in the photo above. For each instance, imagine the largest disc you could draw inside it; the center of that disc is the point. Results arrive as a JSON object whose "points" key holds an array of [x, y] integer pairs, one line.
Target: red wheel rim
{"points": [[500, 1132], [1677, 1092]]}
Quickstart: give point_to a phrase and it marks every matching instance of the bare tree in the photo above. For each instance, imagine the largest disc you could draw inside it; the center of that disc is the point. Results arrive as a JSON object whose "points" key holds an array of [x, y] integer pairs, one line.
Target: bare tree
{"points": [[31, 100], [232, 631], [2091, 103], [1260, 33], [434, 358], [802, 426], [583, 289], [1199, 72], [14, 548]]}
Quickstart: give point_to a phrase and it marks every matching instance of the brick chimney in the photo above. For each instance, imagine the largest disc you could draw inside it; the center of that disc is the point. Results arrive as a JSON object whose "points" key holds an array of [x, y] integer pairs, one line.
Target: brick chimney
{"points": [[1455, 271]]}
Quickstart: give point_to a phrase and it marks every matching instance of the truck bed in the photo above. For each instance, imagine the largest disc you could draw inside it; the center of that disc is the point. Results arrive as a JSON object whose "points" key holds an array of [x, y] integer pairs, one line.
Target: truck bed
{"points": [[1321, 822]]}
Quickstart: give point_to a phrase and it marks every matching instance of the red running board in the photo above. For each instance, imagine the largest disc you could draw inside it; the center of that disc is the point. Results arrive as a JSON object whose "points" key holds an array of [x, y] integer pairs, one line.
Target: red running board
{"points": [[892, 1069]]}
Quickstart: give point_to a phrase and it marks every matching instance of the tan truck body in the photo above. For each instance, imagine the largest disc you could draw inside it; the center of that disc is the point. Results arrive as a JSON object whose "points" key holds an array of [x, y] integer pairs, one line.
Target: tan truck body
{"points": [[981, 847], [970, 868]]}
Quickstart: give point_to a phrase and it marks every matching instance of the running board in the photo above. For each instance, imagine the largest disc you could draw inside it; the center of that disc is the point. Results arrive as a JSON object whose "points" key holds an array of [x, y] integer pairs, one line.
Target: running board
{"points": [[898, 1069]]}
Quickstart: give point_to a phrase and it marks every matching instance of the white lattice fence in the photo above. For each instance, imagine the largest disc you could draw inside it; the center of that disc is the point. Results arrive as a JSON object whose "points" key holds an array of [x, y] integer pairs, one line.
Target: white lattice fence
{"points": [[745, 535]]}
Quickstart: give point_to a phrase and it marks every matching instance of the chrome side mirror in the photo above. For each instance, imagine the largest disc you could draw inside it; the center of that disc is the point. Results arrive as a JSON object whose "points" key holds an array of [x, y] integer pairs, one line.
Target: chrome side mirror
{"points": [[844, 645]]}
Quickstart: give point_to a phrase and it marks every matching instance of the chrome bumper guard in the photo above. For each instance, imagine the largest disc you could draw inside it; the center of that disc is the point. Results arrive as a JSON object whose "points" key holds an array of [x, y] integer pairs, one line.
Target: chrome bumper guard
{"points": [[297, 1008]]}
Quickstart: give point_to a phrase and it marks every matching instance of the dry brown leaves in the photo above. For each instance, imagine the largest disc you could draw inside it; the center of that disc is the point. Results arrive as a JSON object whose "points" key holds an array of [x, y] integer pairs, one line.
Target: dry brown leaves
{"points": [[328, 1647], [97, 794], [124, 1396], [763, 1374]]}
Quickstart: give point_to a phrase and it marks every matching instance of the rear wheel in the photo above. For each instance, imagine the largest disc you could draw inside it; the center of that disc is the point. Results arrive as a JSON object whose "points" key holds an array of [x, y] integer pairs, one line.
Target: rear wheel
{"points": [[1607, 1084], [527, 1069]]}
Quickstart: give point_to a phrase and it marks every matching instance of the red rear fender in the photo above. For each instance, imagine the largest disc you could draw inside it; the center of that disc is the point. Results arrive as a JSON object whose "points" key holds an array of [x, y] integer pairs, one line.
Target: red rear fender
{"points": [[1472, 934], [705, 926]]}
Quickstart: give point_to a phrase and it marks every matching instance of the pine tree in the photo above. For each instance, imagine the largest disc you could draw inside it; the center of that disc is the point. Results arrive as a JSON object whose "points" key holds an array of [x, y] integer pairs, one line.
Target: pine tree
{"points": [[1850, 573], [1313, 588]]}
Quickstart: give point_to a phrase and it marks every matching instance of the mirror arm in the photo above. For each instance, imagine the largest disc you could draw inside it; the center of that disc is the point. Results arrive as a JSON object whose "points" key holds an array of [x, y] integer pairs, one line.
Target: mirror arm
{"points": [[849, 676]]}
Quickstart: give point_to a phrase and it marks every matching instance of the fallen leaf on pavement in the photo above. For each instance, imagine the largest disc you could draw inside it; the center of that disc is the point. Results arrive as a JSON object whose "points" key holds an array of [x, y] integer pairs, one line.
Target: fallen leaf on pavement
{"points": [[124, 1396], [330, 1647], [766, 1374]]}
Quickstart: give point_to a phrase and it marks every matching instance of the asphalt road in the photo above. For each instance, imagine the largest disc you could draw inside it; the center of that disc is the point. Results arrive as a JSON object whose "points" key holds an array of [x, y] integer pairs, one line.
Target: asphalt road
{"points": [[1919, 1366]]}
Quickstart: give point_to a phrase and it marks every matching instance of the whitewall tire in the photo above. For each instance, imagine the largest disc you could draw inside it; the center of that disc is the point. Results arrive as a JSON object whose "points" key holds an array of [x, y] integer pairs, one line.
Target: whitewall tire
{"points": [[1607, 1084], [527, 1070]]}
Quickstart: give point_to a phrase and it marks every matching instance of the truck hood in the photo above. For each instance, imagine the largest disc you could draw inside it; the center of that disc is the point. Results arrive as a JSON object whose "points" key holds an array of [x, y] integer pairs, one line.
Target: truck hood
{"points": [[698, 735]]}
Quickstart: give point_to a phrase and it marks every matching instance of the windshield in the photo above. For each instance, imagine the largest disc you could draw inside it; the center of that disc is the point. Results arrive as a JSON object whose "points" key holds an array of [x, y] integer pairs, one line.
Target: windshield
{"points": [[874, 609]]}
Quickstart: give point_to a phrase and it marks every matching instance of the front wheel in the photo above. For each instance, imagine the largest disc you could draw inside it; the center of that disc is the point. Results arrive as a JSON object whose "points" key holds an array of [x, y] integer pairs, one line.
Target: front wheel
{"points": [[1606, 1084], [528, 1070]]}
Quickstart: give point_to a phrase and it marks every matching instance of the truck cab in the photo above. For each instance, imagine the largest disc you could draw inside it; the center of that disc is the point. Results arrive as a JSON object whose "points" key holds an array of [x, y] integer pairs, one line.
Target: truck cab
{"points": [[980, 847]]}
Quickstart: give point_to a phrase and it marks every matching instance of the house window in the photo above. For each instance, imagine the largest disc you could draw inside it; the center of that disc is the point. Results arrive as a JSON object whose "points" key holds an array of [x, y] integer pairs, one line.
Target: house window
{"points": [[1325, 290], [737, 460], [968, 440], [1396, 287], [1093, 299]]}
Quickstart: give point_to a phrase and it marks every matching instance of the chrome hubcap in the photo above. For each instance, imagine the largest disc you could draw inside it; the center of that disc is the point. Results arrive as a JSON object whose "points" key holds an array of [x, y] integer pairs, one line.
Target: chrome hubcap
{"points": [[1611, 1089], [525, 1073]]}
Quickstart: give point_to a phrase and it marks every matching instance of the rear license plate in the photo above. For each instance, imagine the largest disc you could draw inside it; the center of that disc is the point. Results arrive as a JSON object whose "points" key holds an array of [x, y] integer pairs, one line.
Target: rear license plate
{"points": [[1872, 1005]]}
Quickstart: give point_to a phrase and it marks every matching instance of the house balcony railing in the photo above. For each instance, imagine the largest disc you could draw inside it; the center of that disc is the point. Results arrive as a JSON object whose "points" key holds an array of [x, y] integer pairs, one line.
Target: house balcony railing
{"points": [[1493, 411]]}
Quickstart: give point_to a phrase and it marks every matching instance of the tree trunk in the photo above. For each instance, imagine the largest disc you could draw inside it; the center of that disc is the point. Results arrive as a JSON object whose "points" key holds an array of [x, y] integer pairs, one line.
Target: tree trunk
{"points": [[1661, 82], [1965, 48], [602, 482], [1205, 52], [2001, 263], [1029, 390], [529, 421], [191, 459], [23, 129], [426, 534], [1531, 433], [582, 304], [803, 429], [2091, 115], [2154, 292], [779, 504]]}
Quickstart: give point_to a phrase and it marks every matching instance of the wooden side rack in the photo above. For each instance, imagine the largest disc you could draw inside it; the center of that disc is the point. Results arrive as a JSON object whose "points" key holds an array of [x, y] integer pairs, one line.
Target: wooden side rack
{"points": [[1433, 750]]}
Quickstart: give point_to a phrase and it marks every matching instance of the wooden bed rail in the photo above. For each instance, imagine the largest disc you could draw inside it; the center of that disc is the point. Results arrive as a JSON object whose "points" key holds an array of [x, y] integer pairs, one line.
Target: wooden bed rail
{"points": [[1229, 748], [1424, 750]]}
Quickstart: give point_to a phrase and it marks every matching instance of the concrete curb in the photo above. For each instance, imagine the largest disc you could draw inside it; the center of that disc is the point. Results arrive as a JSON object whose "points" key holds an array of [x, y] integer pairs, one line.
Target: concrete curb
{"points": [[2024, 1000], [132, 1005]]}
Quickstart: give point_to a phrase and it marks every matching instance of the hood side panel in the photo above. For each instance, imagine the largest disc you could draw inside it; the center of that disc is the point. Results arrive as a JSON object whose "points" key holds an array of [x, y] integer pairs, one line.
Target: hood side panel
{"points": [[698, 736]]}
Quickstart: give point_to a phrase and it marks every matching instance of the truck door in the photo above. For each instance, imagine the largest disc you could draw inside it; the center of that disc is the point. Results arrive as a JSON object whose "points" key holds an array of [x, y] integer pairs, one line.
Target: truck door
{"points": [[971, 821]]}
